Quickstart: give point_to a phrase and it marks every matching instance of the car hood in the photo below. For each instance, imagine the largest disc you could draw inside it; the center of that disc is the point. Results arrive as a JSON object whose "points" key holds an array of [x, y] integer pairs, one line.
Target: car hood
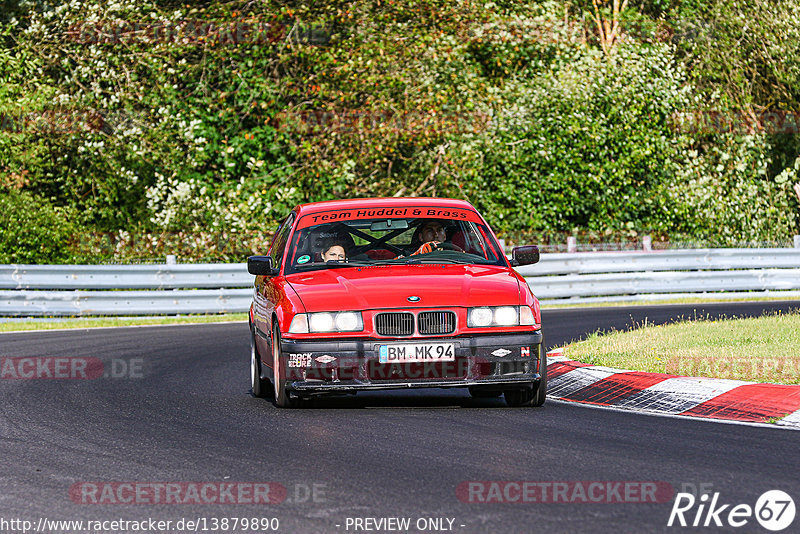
{"points": [[390, 286]]}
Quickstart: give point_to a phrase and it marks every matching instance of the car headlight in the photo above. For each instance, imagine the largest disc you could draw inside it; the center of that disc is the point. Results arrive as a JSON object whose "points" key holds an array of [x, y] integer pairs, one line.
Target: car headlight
{"points": [[499, 316], [480, 317], [346, 321], [506, 316], [320, 322]]}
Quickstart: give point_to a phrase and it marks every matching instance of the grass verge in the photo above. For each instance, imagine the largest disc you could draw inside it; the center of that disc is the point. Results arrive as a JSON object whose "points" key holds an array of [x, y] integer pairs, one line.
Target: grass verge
{"points": [[761, 349], [97, 322]]}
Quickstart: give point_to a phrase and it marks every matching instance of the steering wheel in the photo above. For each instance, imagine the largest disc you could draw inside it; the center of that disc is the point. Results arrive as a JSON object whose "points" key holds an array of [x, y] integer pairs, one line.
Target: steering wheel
{"points": [[430, 246], [449, 246]]}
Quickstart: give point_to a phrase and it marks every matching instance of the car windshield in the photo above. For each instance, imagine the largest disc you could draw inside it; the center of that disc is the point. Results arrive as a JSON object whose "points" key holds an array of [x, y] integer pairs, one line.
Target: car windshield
{"points": [[391, 241]]}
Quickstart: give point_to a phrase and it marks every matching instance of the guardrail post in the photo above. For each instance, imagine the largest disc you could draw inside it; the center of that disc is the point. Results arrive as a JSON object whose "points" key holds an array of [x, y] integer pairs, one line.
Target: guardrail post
{"points": [[647, 243], [797, 241], [172, 259], [572, 244]]}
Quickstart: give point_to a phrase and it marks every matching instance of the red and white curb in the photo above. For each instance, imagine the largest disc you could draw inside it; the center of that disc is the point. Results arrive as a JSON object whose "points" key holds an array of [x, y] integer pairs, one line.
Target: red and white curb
{"points": [[712, 398]]}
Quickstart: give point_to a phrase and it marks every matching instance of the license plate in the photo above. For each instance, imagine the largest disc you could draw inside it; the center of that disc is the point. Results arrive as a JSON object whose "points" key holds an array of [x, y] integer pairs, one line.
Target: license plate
{"points": [[416, 352]]}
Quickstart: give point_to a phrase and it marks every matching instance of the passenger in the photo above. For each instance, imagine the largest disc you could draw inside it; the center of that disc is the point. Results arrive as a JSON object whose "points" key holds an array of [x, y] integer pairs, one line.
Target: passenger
{"points": [[333, 251], [322, 238]]}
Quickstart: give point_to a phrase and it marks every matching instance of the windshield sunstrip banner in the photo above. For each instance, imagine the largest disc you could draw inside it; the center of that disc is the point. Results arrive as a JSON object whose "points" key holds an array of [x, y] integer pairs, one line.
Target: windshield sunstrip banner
{"points": [[389, 213]]}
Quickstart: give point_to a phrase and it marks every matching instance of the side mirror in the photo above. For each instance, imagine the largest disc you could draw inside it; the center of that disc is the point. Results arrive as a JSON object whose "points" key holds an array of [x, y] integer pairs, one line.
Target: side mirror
{"points": [[261, 266], [526, 255]]}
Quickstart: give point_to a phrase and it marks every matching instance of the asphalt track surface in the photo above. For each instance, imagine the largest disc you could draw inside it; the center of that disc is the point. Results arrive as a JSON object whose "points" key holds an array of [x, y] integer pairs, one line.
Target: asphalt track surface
{"points": [[392, 454]]}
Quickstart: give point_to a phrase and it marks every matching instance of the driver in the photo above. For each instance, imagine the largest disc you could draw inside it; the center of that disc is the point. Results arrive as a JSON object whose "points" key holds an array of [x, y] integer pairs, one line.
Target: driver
{"points": [[431, 234]]}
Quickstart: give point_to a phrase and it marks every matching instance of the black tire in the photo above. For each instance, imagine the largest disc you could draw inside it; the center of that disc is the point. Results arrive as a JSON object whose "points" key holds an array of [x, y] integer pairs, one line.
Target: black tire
{"points": [[531, 396], [258, 386], [541, 390], [519, 397], [281, 396], [478, 392]]}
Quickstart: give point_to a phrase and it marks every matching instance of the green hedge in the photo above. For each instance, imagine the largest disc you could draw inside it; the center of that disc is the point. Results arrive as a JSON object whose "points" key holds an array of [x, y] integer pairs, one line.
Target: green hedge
{"points": [[34, 231], [511, 105]]}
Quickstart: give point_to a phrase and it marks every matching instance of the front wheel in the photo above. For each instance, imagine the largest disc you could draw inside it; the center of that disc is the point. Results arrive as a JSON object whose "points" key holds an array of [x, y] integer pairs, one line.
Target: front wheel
{"points": [[519, 397], [532, 396], [258, 386], [282, 398], [541, 391]]}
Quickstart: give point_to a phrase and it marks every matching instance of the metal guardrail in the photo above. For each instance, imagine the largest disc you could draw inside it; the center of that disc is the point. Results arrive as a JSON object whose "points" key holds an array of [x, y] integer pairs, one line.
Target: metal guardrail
{"points": [[165, 302], [74, 290], [666, 260], [161, 276], [632, 276]]}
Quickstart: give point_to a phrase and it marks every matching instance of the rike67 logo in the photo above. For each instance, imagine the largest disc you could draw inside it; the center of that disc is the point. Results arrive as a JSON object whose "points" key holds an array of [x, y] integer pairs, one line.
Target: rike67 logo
{"points": [[774, 510]]}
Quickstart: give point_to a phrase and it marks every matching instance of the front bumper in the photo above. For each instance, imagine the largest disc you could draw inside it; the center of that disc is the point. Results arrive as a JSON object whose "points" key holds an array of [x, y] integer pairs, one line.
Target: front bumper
{"points": [[500, 361]]}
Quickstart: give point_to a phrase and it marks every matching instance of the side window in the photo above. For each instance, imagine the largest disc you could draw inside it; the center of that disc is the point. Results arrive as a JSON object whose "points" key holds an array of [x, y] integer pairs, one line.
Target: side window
{"points": [[281, 238]]}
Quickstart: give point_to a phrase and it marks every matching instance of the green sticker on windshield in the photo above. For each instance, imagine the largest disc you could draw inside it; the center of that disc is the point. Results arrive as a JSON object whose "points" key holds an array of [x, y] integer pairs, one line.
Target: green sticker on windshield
{"points": [[303, 259]]}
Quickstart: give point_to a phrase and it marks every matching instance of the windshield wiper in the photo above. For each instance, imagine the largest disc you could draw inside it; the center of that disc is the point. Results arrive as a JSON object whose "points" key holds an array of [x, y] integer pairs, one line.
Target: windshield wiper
{"points": [[333, 264], [412, 261]]}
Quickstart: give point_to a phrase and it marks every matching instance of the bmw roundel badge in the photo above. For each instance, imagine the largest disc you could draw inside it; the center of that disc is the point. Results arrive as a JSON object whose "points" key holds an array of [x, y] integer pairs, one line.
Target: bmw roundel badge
{"points": [[414, 298]]}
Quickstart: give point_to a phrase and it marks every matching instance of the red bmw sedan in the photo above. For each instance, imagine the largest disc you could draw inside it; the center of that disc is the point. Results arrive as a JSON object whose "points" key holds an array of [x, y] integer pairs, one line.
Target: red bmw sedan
{"points": [[393, 293]]}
